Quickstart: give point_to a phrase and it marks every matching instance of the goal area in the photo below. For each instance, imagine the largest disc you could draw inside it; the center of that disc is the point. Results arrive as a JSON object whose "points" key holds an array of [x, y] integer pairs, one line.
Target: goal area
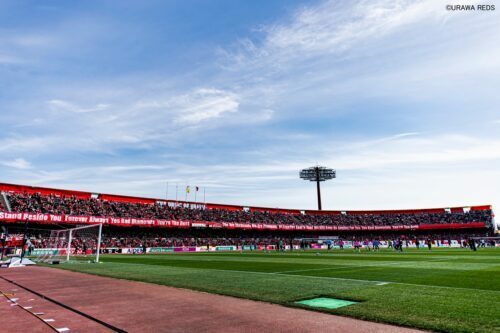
{"points": [[78, 244]]}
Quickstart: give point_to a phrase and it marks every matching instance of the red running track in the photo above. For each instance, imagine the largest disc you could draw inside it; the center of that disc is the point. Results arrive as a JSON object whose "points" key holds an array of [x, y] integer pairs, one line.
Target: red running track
{"points": [[142, 307]]}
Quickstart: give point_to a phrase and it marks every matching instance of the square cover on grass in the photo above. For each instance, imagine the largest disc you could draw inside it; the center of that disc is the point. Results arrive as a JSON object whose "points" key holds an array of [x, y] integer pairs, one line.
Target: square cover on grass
{"points": [[325, 302]]}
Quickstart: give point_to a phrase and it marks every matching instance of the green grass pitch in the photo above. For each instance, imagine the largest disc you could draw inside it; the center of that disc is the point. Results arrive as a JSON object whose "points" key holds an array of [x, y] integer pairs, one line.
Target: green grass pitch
{"points": [[447, 290]]}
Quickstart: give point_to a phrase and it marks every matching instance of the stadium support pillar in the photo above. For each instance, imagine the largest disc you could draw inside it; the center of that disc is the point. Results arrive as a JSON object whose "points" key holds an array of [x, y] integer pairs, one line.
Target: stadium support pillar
{"points": [[319, 194]]}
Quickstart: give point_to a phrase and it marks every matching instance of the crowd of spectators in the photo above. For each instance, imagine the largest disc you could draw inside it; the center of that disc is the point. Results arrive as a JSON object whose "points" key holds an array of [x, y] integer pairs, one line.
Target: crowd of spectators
{"points": [[149, 238], [51, 204], [114, 237], [117, 241]]}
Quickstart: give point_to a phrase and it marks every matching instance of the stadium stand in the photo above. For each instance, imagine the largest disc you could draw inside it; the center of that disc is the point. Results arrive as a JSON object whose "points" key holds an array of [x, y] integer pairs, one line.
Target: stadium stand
{"points": [[166, 223], [74, 206]]}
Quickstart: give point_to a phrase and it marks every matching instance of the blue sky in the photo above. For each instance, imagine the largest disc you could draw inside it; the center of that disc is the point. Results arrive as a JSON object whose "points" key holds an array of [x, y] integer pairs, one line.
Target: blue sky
{"points": [[401, 97]]}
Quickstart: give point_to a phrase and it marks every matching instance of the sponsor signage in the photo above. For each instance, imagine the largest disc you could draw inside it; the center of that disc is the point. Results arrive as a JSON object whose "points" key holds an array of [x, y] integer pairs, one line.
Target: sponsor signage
{"points": [[185, 249], [44, 252], [225, 248], [161, 249]]}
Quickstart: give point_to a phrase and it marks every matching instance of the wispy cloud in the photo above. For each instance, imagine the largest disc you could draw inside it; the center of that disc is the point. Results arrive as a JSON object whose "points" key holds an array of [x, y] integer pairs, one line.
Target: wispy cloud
{"points": [[405, 168], [23, 144], [425, 151], [196, 106], [205, 104], [18, 163], [58, 104], [331, 28]]}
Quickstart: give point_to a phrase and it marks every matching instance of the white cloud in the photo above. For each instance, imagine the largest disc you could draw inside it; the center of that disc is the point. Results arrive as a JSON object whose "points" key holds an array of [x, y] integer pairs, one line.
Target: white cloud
{"points": [[130, 117], [59, 104], [292, 67], [202, 105], [18, 163], [330, 28], [438, 150], [26, 144], [400, 171], [320, 29]]}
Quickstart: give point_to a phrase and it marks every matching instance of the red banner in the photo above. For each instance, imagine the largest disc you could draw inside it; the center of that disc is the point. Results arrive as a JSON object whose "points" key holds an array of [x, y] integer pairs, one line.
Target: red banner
{"points": [[128, 222], [452, 226]]}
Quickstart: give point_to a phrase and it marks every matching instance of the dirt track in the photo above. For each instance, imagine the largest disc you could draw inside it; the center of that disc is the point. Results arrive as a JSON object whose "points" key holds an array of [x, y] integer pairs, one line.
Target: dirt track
{"points": [[141, 307]]}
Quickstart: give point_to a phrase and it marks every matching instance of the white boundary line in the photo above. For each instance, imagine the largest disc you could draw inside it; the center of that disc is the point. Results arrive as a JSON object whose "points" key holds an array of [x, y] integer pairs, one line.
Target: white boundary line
{"points": [[374, 282], [314, 269], [358, 267]]}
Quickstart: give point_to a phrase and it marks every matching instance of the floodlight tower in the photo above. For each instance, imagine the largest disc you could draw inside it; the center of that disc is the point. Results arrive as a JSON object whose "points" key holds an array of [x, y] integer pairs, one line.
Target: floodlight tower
{"points": [[318, 174]]}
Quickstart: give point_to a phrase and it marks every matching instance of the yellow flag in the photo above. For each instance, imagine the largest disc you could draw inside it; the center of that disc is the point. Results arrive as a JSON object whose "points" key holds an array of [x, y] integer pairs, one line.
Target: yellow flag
{"points": [[187, 189]]}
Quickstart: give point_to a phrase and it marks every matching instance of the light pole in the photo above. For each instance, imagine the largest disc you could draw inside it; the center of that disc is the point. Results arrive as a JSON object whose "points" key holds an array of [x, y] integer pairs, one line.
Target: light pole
{"points": [[318, 174]]}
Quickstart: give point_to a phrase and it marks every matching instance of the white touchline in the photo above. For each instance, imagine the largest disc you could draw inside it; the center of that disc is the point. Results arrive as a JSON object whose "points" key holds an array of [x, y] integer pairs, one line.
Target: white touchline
{"points": [[356, 267], [314, 269]]}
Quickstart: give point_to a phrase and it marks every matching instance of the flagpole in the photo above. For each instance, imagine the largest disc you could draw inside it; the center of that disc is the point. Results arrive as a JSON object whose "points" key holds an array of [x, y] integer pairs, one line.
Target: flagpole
{"points": [[176, 191], [195, 192], [186, 197], [167, 192], [204, 201]]}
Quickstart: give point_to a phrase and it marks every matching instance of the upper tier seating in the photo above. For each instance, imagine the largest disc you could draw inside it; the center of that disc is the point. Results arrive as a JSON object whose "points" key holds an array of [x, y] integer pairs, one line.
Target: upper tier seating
{"points": [[70, 205]]}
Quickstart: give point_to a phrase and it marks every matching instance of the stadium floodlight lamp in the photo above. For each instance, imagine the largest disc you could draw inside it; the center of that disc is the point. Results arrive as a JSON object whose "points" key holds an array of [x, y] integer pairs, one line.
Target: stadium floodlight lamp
{"points": [[318, 174]]}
